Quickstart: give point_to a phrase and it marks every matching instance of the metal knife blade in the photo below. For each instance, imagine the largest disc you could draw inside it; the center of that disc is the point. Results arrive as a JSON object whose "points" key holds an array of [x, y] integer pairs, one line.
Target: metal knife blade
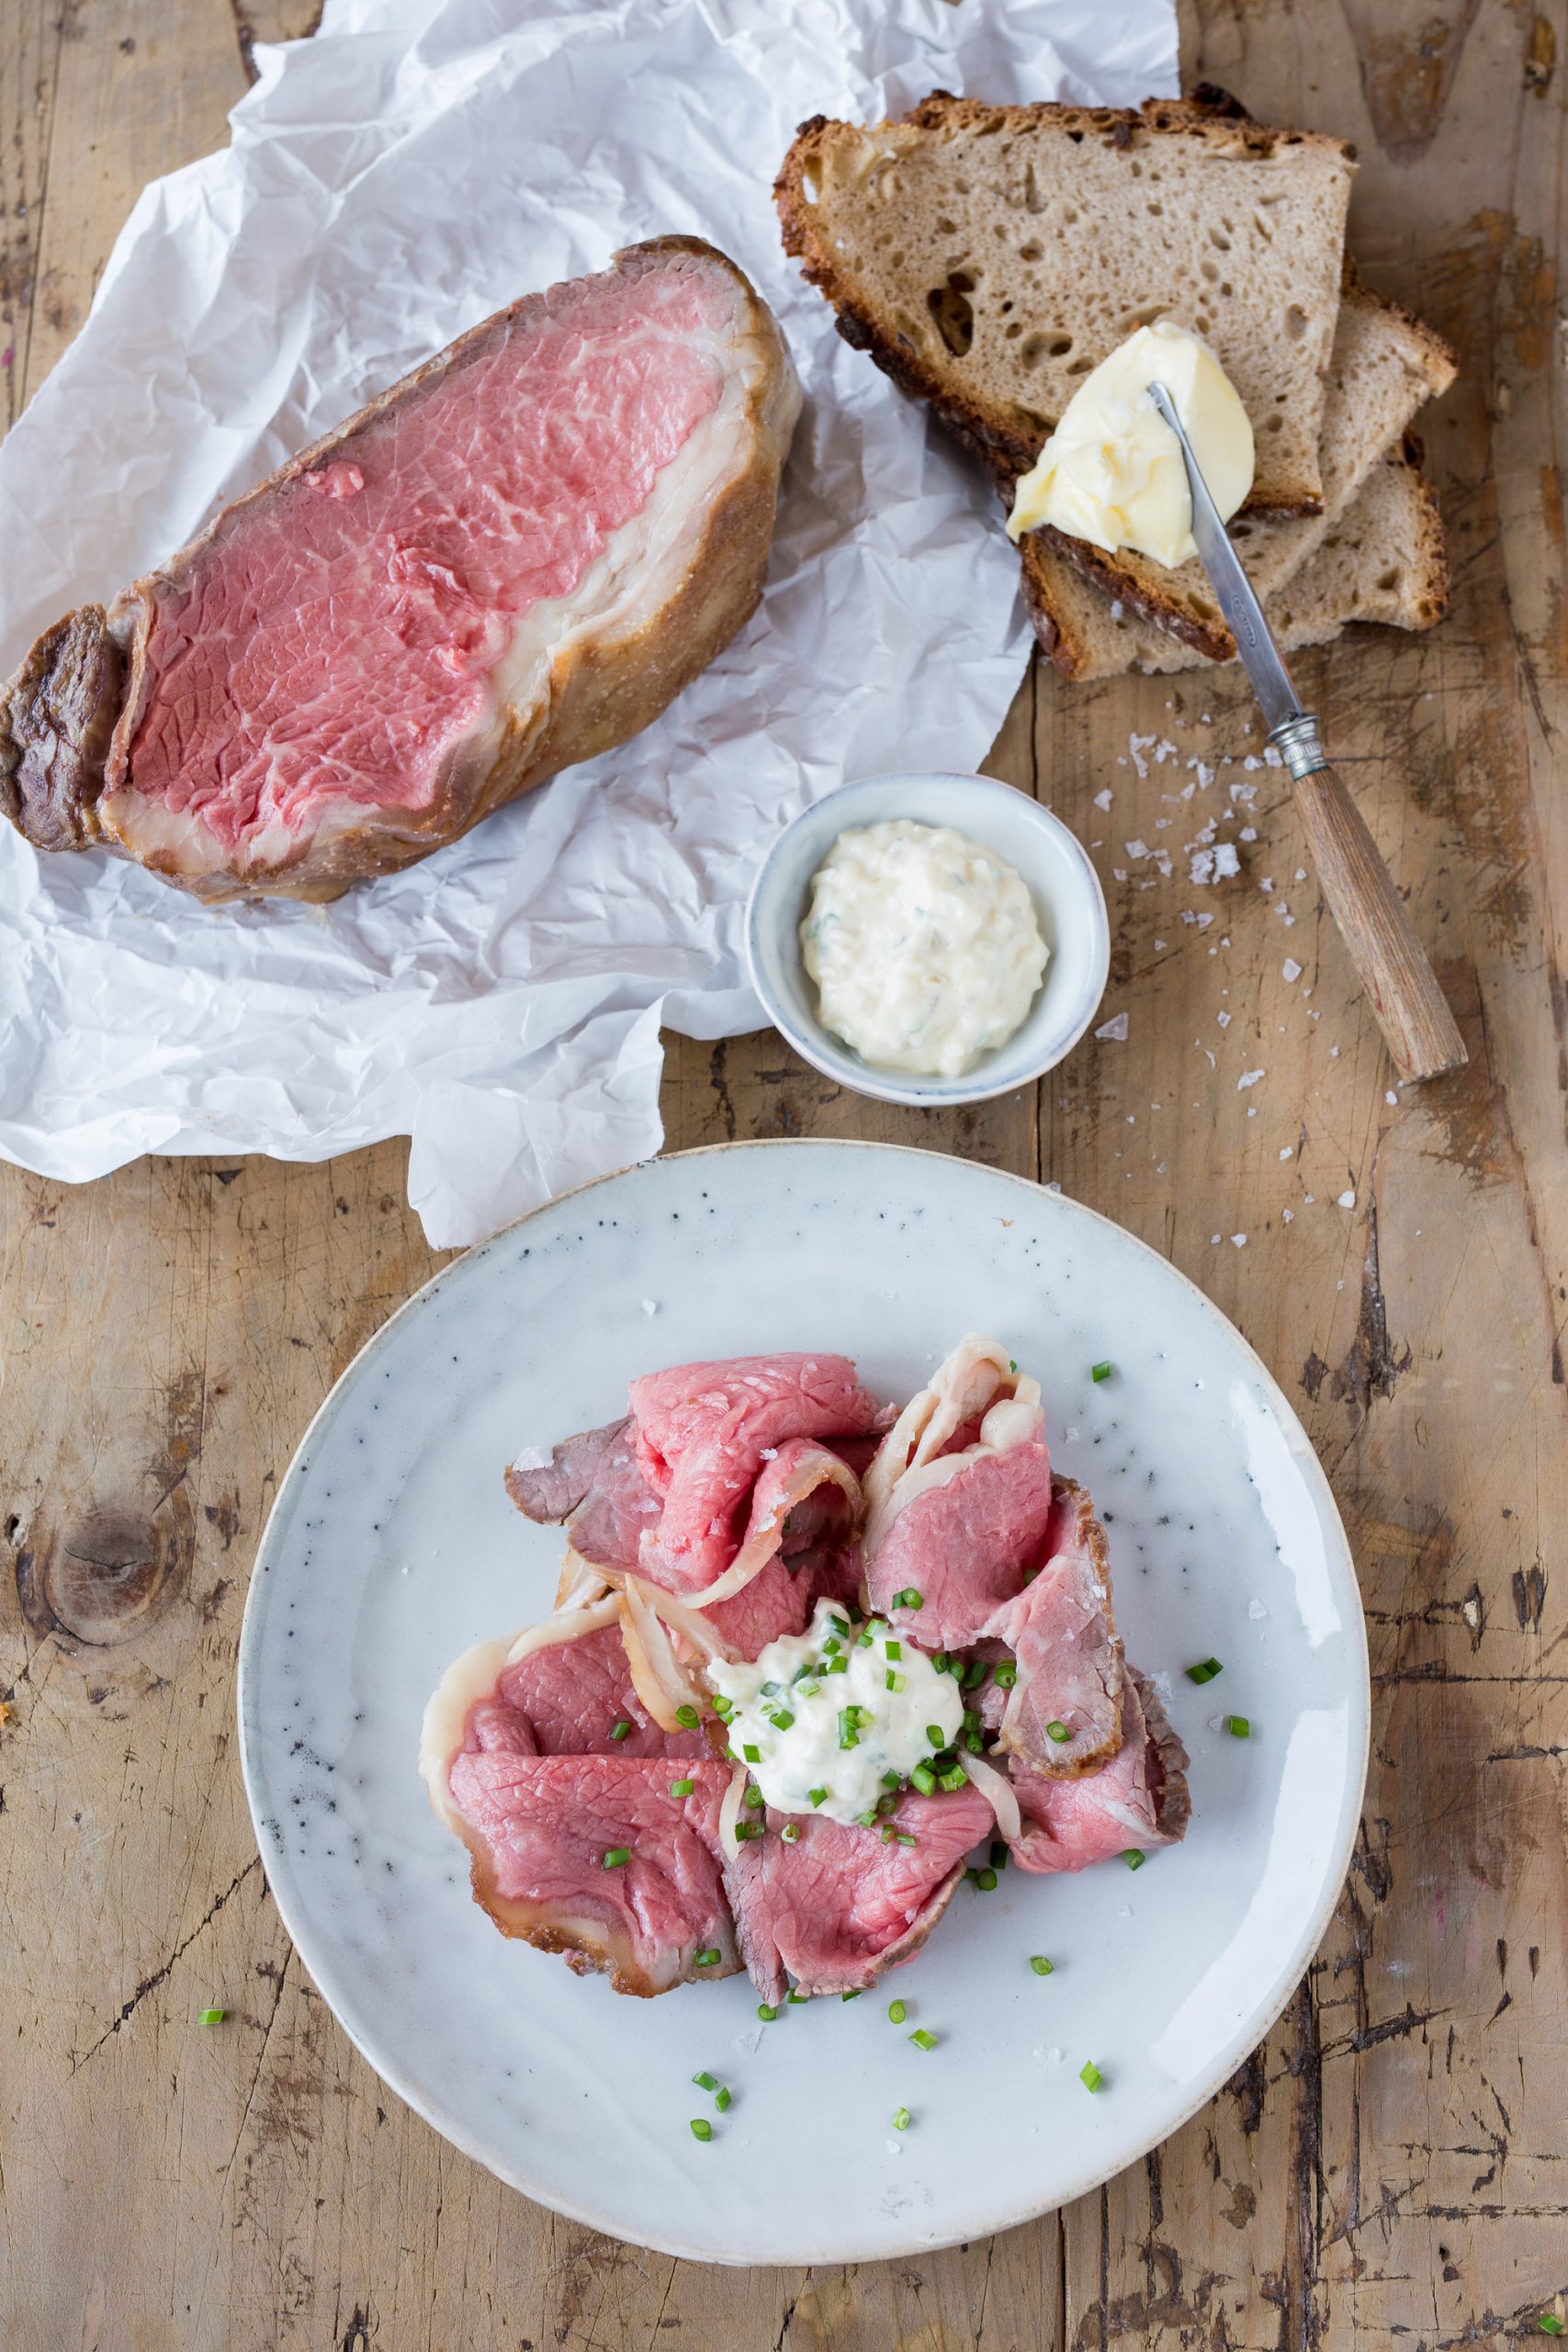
{"points": [[1238, 598]]}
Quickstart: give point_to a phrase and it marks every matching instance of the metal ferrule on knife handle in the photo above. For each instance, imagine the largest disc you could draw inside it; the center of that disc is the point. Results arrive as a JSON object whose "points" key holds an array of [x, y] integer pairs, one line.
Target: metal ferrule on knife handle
{"points": [[1298, 744]]}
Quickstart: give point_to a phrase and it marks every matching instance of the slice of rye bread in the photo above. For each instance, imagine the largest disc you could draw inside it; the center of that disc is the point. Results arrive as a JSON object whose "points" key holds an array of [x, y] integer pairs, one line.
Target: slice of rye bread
{"points": [[987, 257], [1386, 559], [1384, 365]]}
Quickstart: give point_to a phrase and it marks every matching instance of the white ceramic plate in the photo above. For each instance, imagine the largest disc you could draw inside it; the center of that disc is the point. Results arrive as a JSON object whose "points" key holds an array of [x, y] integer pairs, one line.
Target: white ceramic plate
{"points": [[392, 1546]]}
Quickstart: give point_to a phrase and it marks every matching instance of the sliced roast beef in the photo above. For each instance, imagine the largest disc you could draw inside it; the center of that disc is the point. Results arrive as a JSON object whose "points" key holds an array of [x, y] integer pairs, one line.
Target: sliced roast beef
{"points": [[959, 1499], [593, 1483], [570, 1697], [1062, 1632], [546, 1834], [704, 1432], [510, 562], [839, 1907], [1139, 1799]]}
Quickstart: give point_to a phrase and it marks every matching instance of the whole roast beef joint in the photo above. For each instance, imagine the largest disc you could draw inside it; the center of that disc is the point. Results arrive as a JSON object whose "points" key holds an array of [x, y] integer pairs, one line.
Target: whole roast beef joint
{"points": [[511, 561]]}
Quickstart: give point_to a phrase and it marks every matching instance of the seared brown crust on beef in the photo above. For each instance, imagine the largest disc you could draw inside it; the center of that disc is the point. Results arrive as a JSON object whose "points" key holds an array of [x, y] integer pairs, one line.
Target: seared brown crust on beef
{"points": [[56, 717], [1167, 1763]]}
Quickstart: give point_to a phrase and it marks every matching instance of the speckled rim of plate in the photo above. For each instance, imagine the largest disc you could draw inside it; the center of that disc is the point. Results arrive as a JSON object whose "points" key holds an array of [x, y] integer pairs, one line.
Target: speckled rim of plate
{"points": [[1270, 2007]]}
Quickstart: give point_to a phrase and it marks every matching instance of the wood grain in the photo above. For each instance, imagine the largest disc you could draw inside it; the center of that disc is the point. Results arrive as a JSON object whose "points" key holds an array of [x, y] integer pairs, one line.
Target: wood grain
{"points": [[1390, 2166]]}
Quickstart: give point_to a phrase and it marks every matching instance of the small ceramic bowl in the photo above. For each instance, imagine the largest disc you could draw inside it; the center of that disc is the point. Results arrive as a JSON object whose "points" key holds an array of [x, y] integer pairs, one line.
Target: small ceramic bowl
{"points": [[1068, 902]]}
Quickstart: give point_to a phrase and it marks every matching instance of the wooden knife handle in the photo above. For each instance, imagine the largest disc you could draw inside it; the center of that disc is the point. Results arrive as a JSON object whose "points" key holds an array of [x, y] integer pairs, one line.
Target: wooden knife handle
{"points": [[1412, 1010]]}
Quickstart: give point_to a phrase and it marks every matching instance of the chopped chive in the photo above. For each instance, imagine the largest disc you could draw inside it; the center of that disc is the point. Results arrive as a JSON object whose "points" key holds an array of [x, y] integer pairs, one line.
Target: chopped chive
{"points": [[1005, 1675], [1238, 1726], [681, 1788], [801, 1672], [744, 1829], [973, 1742], [957, 1778], [922, 2040], [818, 1796], [1058, 1732], [754, 1797], [909, 1598], [706, 2082], [621, 1730], [901, 2122], [868, 1818], [770, 1690], [839, 1626], [894, 1649], [214, 2017], [935, 1734], [970, 1719], [723, 2101], [895, 1681], [752, 1755], [855, 1995], [941, 1660], [616, 1856], [1549, 2322], [700, 2128], [923, 1779], [848, 1735], [830, 1648], [986, 1880], [896, 2012], [1012, 1363], [1090, 2076], [1134, 1858], [798, 2000], [1041, 1965], [905, 1838], [887, 1833], [790, 1832], [839, 1666], [766, 2011], [1206, 1672], [780, 1718], [708, 1959], [688, 1716], [1099, 1371], [862, 1641], [999, 1855], [890, 1780], [723, 1709]]}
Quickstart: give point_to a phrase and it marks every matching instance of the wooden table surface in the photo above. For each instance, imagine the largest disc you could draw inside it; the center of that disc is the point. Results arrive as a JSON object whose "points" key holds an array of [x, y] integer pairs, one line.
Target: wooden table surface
{"points": [[1392, 2164]]}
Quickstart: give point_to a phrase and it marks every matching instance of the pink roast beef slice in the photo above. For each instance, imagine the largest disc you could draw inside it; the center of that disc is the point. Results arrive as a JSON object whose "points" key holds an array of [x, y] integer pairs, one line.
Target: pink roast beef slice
{"points": [[538, 1829], [704, 1432], [510, 562], [593, 1482], [802, 1525], [565, 1698], [964, 1547], [841, 1907], [1062, 1632], [1138, 1799]]}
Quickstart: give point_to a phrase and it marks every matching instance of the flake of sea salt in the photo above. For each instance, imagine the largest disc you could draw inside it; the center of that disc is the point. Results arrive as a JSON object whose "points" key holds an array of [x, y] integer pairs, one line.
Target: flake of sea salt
{"points": [[650, 1306], [1102, 799], [1346, 1200], [1136, 746], [1272, 758], [1238, 1240], [1226, 862], [895, 2147], [1249, 1078], [1202, 867], [1267, 883], [1290, 969], [1287, 1217], [1287, 1151], [1301, 874], [1310, 1198], [1214, 1238], [1223, 1019], [1115, 1028], [1119, 874], [1390, 1096], [1159, 944], [1247, 834]]}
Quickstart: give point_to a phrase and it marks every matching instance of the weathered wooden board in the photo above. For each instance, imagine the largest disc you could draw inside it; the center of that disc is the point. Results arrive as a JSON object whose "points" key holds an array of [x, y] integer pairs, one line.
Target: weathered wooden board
{"points": [[1390, 2164]]}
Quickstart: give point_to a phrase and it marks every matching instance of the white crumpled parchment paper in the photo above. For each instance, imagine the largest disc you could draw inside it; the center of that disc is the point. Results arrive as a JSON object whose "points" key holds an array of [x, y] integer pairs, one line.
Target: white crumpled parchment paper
{"points": [[416, 164]]}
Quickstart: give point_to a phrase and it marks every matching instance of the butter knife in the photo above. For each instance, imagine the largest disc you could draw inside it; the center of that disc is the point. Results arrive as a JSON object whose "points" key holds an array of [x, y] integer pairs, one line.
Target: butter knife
{"points": [[1411, 1008]]}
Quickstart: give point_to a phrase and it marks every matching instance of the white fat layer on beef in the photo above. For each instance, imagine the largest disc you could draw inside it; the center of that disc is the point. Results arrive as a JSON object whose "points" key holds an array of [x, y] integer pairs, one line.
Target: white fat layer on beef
{"points": [[638, 573], [978, 1376]]}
